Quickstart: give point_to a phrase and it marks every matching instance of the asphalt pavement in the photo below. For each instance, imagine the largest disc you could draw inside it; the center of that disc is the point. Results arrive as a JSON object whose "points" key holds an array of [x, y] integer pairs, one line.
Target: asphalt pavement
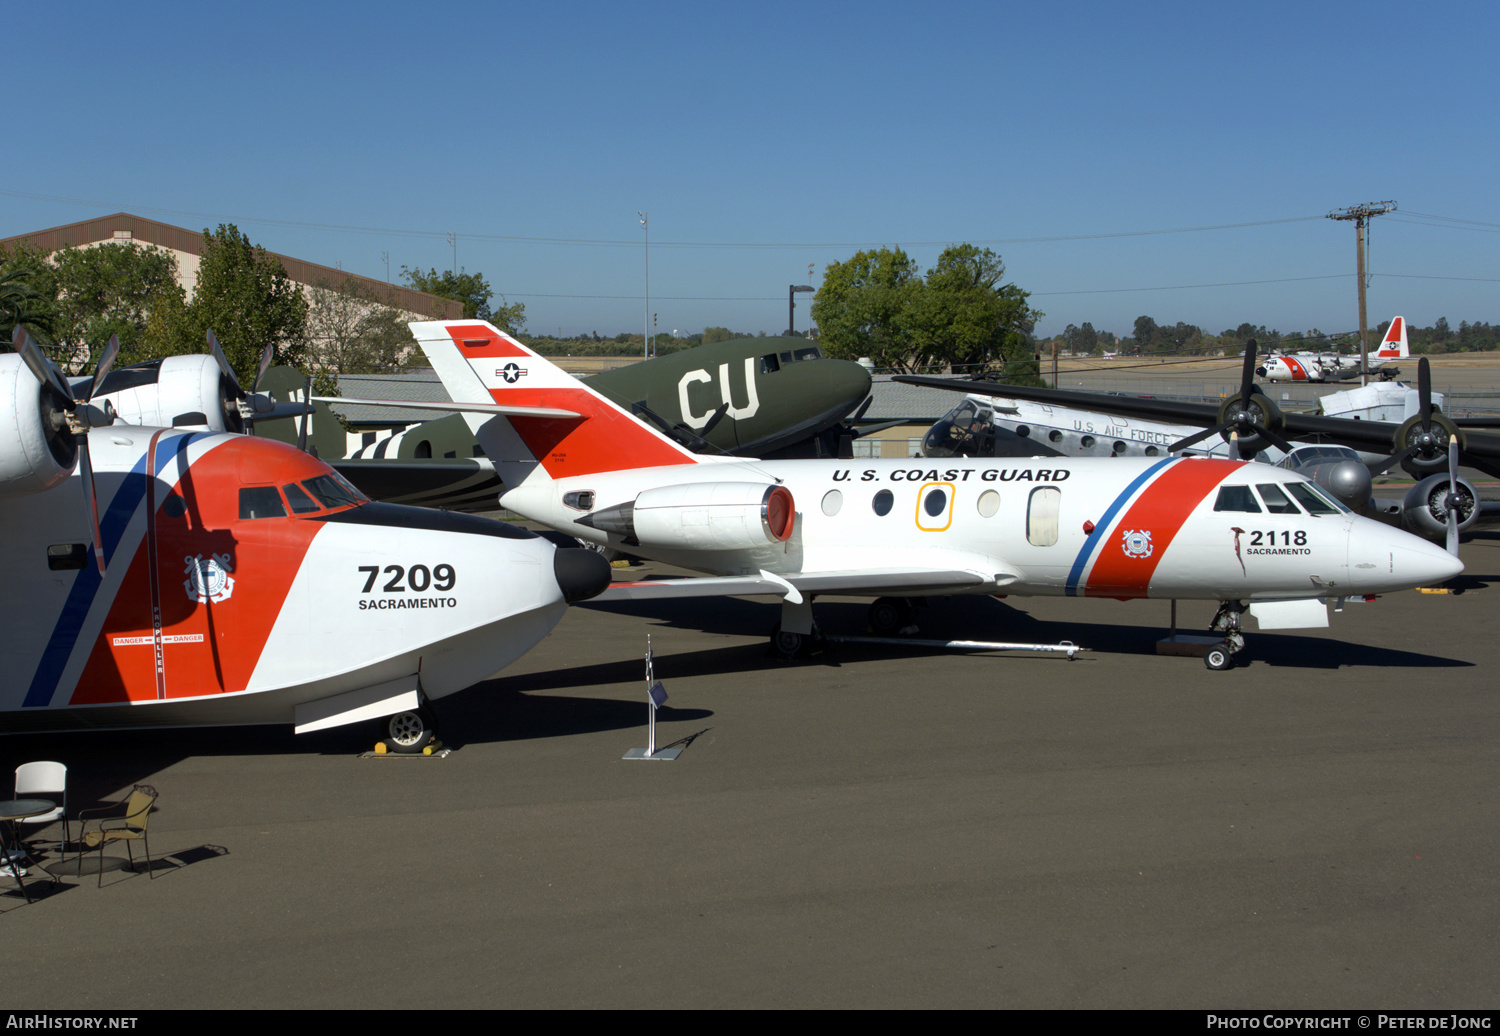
{"points": [[873, 827]]}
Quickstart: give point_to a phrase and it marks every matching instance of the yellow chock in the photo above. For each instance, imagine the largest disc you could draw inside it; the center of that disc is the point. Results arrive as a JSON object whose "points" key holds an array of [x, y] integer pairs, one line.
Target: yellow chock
{"points": [[380, 748], [1433, 590], [432, 746]]}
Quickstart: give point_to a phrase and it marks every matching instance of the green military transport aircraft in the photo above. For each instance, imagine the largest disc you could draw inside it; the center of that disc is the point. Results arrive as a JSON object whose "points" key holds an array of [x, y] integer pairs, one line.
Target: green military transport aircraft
{"points": [[749, 397]]}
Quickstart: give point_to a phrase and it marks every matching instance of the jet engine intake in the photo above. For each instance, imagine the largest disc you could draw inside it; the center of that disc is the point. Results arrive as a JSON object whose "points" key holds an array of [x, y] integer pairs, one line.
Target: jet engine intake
{"points": [[709, 515], [43, 451], [1424, 511]]}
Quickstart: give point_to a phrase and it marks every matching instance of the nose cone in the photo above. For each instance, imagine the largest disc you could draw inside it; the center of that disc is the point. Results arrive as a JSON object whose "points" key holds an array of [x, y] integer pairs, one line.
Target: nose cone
{"points": [[1382, 559], [581, 574], [851, 381]]}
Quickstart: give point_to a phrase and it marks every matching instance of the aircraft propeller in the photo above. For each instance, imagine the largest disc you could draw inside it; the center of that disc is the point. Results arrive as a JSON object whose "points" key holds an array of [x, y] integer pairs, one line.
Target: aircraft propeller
{"points": [[1423, 439], [1247, 421], [76, 413], [241, 407]]}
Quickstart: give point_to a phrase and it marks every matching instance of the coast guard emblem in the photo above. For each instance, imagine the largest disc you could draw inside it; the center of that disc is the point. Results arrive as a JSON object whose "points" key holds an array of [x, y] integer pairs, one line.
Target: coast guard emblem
{"points": [[208, 579], [1137, 543]]}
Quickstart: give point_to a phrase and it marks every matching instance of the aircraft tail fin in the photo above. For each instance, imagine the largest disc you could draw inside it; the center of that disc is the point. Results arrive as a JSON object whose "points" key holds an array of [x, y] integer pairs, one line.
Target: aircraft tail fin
{"points": [[1393, 346], [479, 363]]}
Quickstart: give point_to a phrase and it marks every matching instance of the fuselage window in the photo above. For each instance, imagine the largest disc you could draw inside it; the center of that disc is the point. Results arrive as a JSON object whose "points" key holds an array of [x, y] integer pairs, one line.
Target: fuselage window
{"points": [[989, 503], [261, 502], [1276, 501], [1041, 516], [935, 503], [1119, 448], [1087, 442], [1055, 435], [832, 501], [1236, 498], [883, 502]]}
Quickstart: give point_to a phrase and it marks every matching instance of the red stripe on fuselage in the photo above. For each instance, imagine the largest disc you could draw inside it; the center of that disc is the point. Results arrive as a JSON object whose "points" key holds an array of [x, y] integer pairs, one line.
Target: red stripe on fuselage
{"points": [[1299, 372], [1160, 511], [207, 647], [605, 439]]}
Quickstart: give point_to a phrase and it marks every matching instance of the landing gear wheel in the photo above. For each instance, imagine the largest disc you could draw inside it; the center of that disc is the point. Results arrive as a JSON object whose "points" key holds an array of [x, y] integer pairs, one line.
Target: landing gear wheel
{"points": [[888, 616], [1219, 656], [786, 644], [407, 733]]}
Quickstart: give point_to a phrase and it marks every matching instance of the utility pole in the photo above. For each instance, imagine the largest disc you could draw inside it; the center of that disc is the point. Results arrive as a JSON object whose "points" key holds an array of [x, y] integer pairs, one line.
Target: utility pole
{"points": [[1358, 215], [646, 321]]}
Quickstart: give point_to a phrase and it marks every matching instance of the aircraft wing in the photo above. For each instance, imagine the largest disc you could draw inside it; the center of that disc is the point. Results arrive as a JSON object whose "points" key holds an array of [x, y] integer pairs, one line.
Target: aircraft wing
{"points": [[859, 583], [466, 408], [1481, 451]]}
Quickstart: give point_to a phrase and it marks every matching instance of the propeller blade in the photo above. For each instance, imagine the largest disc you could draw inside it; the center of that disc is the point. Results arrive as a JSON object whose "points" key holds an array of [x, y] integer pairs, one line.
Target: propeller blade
{"points": [[213, 344], [1424, 392], [862, 408], [106, 361], [1247, 374], [90, 498], [1452, 496], [306, 406], [714, 418], [1391, 461], [45, 370], [1182, 444], [262, 366], [1276, 440]]}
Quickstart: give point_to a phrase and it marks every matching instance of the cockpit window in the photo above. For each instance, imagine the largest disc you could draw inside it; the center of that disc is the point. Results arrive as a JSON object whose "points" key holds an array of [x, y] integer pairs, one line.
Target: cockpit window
{"points": [[333, 491], [261, 502], [1314, 502], [769, 364], [807, 354], [1236, 498], [300, 501], [1276, 501]]}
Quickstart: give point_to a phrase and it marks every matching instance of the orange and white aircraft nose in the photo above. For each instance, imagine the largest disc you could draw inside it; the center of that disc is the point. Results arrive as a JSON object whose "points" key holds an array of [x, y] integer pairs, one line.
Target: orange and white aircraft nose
{"points": [[1384, 559]]}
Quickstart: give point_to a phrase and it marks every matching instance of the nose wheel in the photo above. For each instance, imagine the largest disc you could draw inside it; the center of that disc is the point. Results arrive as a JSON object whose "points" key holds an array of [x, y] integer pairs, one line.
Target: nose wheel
{"points": [[1220, 656], [407, 733]]}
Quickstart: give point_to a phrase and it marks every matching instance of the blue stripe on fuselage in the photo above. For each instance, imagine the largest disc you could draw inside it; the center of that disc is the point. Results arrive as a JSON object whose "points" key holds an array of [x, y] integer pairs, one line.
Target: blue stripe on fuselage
{"points": [[1101, 529], [112, 526]]}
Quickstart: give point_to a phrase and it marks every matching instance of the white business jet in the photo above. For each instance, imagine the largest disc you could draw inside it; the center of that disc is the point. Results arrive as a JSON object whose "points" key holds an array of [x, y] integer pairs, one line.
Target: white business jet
{"points": [[1125, 528]]}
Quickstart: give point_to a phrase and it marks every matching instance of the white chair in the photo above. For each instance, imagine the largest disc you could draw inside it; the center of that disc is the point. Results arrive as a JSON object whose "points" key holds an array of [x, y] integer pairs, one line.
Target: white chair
{"points": [[49, 780]]}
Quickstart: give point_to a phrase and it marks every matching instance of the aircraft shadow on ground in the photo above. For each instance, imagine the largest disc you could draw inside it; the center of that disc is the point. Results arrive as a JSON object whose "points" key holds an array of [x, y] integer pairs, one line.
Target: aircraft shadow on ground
{"points": [[975, 618], [502, 710]]}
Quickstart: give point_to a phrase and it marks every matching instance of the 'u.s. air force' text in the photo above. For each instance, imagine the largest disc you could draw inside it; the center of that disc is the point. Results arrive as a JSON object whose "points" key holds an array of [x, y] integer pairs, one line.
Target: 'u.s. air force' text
{"points": [[918, 474]]}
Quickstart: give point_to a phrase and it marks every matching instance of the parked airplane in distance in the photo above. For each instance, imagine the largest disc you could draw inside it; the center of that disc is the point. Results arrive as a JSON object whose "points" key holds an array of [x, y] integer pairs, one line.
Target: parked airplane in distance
{"points": [[895, 529], [996, 420], [161, 576], [1335, 367]]}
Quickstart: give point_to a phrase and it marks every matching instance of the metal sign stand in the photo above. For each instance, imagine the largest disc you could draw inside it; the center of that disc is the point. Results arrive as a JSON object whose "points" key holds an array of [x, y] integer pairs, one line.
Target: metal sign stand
{"points": [[656, 696]]}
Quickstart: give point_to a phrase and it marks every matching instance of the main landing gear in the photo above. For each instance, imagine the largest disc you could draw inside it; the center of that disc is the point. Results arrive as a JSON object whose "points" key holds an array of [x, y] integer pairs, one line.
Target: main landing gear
{"points": [[407, 733], [890, 616], [797, 635], [1226, 621]]}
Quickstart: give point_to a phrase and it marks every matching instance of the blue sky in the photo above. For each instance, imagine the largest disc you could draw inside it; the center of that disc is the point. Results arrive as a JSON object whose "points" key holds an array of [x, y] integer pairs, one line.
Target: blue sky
{"points": [[771, 136]]}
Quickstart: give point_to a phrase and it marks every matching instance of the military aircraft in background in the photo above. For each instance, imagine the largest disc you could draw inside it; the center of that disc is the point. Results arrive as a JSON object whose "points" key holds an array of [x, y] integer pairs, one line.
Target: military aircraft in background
{"points": [[1317, 367], [205, 578], [894, 529], [744, 397], [1363, 431]]}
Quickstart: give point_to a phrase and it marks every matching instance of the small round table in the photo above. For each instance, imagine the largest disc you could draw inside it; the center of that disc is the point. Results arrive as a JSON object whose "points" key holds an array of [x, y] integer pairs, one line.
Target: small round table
{"points": [[12, 810]]}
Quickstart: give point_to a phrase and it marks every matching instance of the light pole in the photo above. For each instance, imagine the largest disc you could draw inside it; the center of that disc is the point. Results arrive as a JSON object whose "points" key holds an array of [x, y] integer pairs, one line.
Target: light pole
{"points": [[791, 304], [646, 313]]}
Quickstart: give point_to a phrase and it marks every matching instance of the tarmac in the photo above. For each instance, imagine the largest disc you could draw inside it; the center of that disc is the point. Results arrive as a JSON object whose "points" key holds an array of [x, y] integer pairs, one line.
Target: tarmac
{"points": [[873, 827]]}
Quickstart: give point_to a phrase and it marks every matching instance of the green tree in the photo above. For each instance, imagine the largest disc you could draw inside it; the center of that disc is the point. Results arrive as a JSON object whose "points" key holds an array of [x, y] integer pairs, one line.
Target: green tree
{"points": [[108, 290], [963, 315], [354, 327], [474, 292], [245, 297], [862, 305], [28, 293]]}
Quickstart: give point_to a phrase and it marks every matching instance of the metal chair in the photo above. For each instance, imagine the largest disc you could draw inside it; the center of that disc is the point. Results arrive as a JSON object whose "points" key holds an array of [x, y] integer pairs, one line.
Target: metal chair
{"points": [[50, 781], [129, 826]]}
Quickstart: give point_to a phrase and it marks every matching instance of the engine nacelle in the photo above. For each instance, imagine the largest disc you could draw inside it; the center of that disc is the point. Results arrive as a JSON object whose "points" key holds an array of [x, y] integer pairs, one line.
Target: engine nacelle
{"points": [[178, 391], [706, 515], [1424, 511], [41, 452]]}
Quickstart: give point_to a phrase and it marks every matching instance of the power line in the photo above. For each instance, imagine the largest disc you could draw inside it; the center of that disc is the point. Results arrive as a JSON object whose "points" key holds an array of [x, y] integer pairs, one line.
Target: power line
{"points": [[614, 243]]}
